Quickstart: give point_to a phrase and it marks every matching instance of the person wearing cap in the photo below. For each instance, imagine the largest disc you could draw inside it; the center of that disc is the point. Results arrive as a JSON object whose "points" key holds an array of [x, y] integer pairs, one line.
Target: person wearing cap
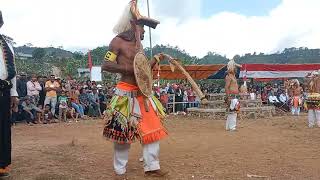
{"points": [[8, 101], [127, 117]]}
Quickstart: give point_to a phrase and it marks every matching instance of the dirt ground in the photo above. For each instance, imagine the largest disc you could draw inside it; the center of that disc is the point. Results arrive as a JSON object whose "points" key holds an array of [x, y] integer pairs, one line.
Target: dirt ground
{"points": [[279, 148]]}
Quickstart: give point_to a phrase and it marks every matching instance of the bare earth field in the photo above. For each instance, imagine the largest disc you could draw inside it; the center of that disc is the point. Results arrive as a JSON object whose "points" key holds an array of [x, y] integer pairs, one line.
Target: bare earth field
{"points": [[279, 148]]}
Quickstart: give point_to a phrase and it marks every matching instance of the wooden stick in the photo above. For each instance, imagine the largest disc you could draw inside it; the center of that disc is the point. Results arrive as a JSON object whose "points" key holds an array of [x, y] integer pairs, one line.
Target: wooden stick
{"points": [[189, 78]]}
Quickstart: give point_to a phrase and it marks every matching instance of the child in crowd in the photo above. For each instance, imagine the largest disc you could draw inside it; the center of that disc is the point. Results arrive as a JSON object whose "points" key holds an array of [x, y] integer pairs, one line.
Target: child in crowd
{"points": [[47, 115], [72, 113], [63, 106]]}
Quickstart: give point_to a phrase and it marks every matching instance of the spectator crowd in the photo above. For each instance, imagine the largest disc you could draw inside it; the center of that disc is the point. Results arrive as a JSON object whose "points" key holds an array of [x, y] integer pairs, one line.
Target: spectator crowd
{"points": [[51, 99]]}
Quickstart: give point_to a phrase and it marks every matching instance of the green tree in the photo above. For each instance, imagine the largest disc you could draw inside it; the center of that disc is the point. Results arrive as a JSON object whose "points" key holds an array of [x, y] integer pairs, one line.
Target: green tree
{"points": [[39, 53], [78, 55]]}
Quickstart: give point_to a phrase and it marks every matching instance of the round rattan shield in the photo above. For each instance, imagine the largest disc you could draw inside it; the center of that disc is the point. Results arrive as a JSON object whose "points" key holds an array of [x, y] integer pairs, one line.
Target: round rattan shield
{"points": [[143, 74]]}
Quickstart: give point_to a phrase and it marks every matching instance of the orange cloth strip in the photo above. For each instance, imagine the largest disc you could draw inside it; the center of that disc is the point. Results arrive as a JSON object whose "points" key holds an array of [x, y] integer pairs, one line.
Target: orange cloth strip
{"points": [[126, 86], [150, 125], [296, 101]]}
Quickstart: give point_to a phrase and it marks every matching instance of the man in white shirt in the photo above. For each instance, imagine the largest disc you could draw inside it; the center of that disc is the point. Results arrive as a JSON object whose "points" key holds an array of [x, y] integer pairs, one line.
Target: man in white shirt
{"points": [[8, 101], [284, 101], [33, 89], [283, 98], [274, 100]]}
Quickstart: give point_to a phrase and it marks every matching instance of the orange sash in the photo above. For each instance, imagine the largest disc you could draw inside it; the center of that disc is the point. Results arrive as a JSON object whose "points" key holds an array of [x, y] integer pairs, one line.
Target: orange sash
{"points": [[296, 101]]}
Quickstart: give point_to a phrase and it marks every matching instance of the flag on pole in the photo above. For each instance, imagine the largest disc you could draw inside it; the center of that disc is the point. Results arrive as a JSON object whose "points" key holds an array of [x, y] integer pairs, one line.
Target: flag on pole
{"points": [[89, 60]]}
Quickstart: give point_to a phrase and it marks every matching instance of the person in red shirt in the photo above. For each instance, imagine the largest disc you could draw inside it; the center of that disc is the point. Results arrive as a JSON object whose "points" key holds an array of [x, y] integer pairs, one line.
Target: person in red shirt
{"points": [[191, 97]]}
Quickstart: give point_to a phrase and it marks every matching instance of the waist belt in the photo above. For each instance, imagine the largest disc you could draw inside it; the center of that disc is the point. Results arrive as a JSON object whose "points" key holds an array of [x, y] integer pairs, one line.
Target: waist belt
{"points": [[5, 85], [132, 94]]}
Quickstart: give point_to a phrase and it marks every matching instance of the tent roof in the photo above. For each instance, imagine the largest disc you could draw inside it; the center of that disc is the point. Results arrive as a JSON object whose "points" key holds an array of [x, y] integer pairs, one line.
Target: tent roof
{"points": [[274, 71], [196, 71]]}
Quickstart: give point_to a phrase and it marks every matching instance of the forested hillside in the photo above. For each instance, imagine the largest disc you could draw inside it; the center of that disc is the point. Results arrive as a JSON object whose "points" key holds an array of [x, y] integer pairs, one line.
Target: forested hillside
{"points": [[44, 58]]}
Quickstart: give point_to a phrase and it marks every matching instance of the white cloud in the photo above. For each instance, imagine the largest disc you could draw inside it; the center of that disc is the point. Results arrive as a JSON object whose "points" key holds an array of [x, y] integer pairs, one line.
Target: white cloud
{"points": [[87, 24], [292, 23]]}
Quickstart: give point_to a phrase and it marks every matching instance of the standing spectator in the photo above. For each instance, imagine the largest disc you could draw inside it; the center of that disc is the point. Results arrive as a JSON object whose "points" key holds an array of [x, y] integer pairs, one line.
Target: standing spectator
{"points": [[42, 92], [93, 84], [191, 97], [63, 86], [88, 84], [178, 98], [163, 89], [63, 106], [102, 100], [52, 87], [94, 107], [185, 98], [69, 83], [172, 88], [33, 89], [164, 99], [22, 85]]}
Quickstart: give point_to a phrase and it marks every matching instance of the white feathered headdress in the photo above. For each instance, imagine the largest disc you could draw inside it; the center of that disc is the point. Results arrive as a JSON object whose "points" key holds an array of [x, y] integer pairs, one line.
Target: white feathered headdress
{"points": [[231, 66], [131, 13]]}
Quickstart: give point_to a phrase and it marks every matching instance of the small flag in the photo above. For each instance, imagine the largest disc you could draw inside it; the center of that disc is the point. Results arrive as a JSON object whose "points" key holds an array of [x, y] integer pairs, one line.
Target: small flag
{"points": [[89, 60]]}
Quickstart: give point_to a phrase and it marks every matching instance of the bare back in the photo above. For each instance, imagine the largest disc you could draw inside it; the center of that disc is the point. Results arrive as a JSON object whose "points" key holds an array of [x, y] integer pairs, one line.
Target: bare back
{"points": [[231, 86], [297, 91]]}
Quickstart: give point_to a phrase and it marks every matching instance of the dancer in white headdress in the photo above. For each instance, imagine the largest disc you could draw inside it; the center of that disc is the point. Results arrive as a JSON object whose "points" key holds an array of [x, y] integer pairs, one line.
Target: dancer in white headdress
{"points": [[295, 91], [131, 116], [232, 96], [313, 99]]}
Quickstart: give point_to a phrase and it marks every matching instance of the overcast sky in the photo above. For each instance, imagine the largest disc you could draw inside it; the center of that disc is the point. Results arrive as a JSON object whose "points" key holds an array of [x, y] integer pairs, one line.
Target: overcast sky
{"points": [[227, 27]]}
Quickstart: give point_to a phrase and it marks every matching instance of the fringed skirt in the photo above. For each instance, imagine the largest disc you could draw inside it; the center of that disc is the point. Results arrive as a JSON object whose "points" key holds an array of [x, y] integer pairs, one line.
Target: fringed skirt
{"points": [[127, 119]]}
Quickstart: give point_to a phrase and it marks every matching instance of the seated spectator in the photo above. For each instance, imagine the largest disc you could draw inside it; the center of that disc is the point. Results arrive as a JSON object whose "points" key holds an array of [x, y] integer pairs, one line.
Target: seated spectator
{"points": [[47, 114], [74, 99], [30, 110], [284, 100], [72, 113], [84, 100], [274, 100]]}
